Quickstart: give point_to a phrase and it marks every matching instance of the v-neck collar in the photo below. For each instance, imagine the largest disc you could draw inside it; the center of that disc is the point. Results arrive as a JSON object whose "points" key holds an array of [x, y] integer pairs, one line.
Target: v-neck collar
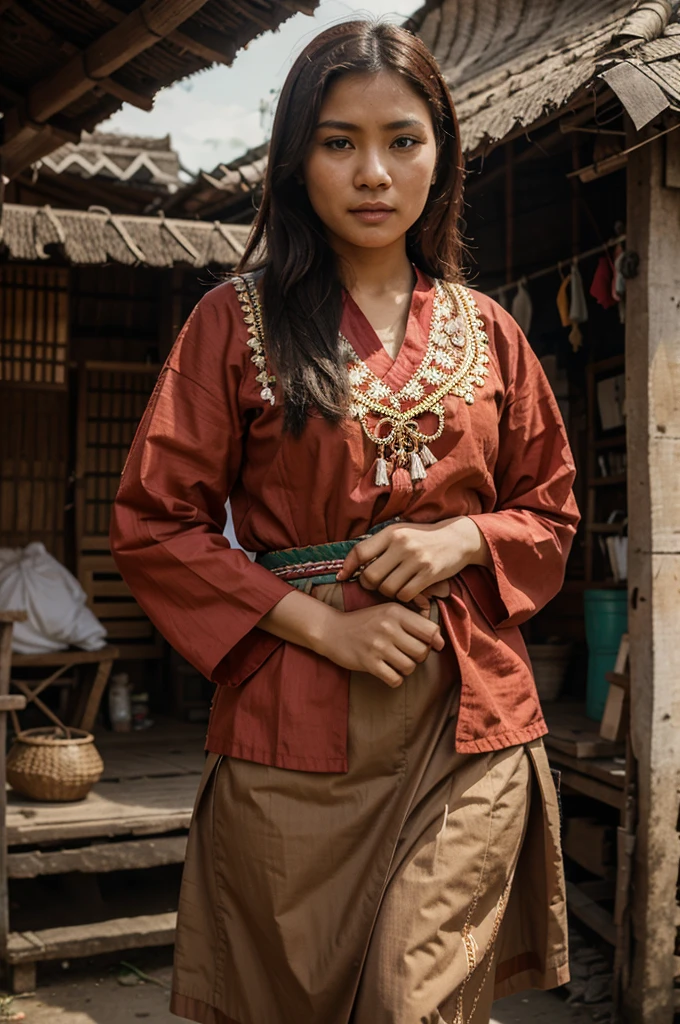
{"points": [[368, 346]]}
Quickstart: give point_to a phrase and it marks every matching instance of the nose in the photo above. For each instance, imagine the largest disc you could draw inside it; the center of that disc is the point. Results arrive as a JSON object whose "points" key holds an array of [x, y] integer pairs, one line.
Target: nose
{"points": [[372, 172]]}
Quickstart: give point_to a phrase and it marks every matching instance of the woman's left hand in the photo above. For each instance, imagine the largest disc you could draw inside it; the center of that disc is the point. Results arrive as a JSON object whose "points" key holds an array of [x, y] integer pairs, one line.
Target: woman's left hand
{"points": [[406, 559]]}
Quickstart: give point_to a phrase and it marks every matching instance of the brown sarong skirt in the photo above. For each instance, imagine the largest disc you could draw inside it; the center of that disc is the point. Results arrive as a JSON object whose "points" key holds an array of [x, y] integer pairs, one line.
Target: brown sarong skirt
{"points": [[412, 890]]}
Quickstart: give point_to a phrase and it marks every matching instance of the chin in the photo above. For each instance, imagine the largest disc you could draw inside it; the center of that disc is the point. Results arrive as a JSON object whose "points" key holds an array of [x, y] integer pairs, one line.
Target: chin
{"points": [[371, 237]]}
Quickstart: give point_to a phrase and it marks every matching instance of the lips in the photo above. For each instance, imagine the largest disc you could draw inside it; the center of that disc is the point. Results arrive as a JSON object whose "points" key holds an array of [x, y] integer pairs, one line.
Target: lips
{"points": [[372, 213]]}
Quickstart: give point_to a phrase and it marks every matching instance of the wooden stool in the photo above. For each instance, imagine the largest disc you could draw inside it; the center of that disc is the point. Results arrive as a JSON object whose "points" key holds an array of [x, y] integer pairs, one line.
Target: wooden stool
{"points": [[62, 661]]}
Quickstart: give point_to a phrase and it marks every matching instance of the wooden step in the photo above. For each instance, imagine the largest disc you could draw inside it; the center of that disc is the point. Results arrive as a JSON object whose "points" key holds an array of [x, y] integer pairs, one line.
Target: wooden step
{"points": [[92, 939], [142, 806], [98, 857]]}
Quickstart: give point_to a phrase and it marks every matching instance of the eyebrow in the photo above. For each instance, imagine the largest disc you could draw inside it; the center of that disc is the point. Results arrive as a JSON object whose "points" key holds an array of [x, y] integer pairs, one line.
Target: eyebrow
{"points": [[347, 126]]}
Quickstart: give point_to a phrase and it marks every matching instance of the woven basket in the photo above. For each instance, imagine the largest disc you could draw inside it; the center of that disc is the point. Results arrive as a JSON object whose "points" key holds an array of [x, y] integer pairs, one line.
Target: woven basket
{"points": [[54, 764], [550, 663]]}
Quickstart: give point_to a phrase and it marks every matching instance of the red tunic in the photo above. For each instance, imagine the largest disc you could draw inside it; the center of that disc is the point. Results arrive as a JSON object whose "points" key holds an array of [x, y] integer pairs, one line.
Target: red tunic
{"points": [[207, 435]]}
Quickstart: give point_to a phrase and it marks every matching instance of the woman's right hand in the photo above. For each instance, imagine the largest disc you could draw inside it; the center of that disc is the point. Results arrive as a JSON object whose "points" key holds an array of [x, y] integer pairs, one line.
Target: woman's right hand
{"points": [[388, 641]]}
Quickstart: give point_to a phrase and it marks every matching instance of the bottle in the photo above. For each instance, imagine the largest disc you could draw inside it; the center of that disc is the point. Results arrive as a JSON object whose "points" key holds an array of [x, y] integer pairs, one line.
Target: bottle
{"points": [[120, 711], [140, 711]]}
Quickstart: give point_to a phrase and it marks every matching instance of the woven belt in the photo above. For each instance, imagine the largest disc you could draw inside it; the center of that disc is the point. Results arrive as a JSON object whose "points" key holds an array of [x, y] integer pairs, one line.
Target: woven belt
{"points": [[320, 562]]}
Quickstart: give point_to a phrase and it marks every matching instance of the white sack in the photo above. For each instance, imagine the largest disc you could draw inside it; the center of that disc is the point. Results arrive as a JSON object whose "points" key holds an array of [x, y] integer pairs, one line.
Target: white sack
{"points": [[31, 580]]}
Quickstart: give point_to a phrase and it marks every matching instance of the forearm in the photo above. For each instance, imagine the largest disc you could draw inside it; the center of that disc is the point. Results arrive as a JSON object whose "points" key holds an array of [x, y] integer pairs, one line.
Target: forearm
{"points": [[300, 619]]}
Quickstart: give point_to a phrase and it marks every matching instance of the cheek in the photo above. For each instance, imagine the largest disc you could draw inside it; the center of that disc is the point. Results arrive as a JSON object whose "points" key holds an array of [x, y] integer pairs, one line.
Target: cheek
{"points": [[324, 180], [417, 177]]}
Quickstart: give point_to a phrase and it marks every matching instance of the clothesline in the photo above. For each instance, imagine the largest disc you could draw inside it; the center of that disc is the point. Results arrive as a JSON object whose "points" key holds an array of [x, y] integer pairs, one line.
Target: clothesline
{"points": [[555, 266]]}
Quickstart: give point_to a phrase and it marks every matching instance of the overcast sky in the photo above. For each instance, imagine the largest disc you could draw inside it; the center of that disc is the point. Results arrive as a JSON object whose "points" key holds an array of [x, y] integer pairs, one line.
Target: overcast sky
{"points": [[215, 115]]}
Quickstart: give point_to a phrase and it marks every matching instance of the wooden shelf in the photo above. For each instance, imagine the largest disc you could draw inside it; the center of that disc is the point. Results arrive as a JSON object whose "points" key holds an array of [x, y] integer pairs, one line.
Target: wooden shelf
{"points": [[615, 480], [617, 440], [605, 527], [602, 365]]}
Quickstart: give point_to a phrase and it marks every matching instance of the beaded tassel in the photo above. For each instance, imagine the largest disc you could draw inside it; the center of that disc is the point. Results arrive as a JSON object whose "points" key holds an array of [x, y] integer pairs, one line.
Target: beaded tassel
{"points": [[381, 476], [426, 456], [418, 471]]}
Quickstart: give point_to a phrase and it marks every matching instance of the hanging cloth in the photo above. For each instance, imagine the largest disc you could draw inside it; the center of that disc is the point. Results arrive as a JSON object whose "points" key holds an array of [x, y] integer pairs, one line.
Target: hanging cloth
{"points": [[522, 309], [563, 301], [578, 307], [601, 286], [619, 285]]}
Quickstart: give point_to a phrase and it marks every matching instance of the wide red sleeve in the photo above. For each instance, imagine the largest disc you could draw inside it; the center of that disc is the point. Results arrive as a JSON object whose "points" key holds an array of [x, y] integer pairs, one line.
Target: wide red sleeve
{"points": [[532, 525], [169, 514]]}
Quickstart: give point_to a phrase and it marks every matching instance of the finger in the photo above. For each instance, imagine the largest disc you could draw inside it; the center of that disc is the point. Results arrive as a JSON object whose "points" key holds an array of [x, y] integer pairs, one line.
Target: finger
{"points": [[422, 603], [400, 662], [377, 571], [362, 553], [415, 649], [425, 630], [417, 626], [386, 674], [441, 589], [396, 580], [416, 584]]}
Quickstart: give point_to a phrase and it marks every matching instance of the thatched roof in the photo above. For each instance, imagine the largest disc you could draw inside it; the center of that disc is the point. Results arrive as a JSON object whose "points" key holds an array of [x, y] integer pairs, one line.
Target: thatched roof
{"points": [[123, 159], [97, 237], [226, 192], [68, 65], [513, 63]]}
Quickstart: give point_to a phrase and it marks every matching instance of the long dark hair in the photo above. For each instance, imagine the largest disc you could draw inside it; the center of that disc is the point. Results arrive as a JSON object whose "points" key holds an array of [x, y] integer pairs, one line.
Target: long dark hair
{"points": [[301, 291]]}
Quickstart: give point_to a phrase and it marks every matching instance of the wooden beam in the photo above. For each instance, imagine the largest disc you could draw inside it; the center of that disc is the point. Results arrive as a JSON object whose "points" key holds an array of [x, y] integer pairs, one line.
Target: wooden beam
{"points": [[204, 48], [138, 31], [47, 35], [121, 92], [653, 427], [591, 913]]}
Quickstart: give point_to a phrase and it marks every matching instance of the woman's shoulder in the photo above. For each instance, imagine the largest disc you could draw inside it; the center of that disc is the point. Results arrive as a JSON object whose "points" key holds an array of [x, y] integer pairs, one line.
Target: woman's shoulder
{"points": [[215, 340], [513, 353], [492, 312]]}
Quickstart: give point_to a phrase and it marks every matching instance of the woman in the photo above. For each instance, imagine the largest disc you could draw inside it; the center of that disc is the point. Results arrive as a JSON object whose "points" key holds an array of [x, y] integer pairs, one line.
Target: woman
{"points": [[375, 838]]}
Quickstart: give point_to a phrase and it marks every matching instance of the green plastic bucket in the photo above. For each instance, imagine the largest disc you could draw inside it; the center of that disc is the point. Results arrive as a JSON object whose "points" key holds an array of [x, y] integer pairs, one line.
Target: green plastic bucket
{"points": [[606, 615]]}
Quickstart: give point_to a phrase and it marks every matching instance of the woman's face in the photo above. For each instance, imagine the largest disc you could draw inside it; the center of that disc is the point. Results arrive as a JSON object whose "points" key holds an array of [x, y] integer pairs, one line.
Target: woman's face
{"points": [[369, 167]]}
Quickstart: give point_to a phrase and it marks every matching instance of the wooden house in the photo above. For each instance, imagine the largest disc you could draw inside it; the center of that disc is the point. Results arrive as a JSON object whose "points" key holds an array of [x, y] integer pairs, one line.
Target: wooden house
{"points": [[95, 281], [569, 115]]}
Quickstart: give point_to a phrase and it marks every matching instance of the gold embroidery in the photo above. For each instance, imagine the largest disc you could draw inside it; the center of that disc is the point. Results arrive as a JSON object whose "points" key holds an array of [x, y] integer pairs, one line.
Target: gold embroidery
{"points": [[455, 362], [246, 290]]}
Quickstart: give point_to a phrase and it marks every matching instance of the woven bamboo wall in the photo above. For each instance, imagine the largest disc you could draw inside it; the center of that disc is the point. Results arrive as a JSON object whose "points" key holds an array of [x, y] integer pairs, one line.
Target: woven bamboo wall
{"points": [[34, 331]]}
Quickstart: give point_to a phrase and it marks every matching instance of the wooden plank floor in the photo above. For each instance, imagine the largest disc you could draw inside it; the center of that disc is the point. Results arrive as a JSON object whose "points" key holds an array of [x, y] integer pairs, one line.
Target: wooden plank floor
{"points": [[149, 785]]}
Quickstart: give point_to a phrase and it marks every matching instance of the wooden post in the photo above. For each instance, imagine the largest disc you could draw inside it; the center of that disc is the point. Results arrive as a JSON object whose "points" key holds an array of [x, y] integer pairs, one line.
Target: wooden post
{"points": [[653, 425], [509, 211], [7, 703]]}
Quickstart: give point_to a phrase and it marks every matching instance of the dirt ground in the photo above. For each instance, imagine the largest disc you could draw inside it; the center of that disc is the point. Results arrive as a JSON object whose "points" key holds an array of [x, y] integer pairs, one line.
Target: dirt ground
{"points": [[94, 994]]}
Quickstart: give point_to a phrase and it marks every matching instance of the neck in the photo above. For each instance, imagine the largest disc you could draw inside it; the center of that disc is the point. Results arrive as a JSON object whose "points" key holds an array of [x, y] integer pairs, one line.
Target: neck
{"points": [[374, 271]]}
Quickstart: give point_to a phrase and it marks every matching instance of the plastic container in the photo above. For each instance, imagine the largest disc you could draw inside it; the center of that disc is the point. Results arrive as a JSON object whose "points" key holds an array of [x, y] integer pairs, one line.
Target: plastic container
{"points": [[120, 708], [606, 617]]}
